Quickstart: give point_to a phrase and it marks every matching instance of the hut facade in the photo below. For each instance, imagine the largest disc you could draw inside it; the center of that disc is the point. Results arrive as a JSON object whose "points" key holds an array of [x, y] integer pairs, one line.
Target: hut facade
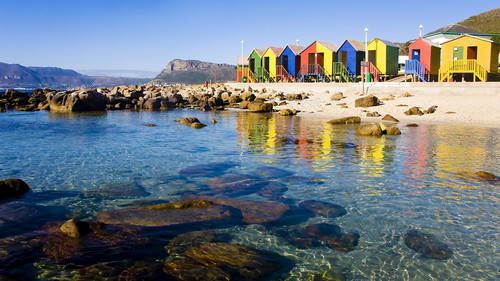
{"points": [[424, 58], [351, 53], [270, 60], [468, 56], [242, 66], [384, 56], [290, 60], [317, 60], [255, 63]]}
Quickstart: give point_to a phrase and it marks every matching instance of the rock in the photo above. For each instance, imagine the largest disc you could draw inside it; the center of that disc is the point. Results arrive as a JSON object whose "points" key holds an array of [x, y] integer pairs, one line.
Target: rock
{"points": [[214, 121], [486, 175], [346, 120], [323, 208], [187, 270], [152, 104], [270, 173], [2, 109], [367, 101], [242, 262], [337, 96], [405, 95], [427, 245], [431, 109], [193, 122], [150, 125], [244, 104], [10, 188], [83, 100], [390, 97], [235, 99], [273, 190], [248, 96], [389, 117], [392, 130], [197, 125], [233, 184], [142, 271], [372, 114], [207, 170], [286, 112], [260, 107], [179, 244], [75, 228], [193, 211], [412, 125], [252, 211], [414, 111], [330, 275], [332, 234], [370, 129], [294, 97]]}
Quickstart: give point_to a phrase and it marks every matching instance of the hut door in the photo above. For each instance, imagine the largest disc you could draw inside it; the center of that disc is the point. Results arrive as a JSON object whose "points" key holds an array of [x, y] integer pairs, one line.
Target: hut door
{"points": [[251, 65], [416, 55], [343, 57], [321, 59], [472, 53], [372, 56], [266, 63], [458, 53], [310, 59], [285, 62]]}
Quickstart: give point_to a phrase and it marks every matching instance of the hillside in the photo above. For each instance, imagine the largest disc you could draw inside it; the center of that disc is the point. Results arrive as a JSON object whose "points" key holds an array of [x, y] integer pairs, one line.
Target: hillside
{"points": [[487, 22], [194, 72], [18, 76]]}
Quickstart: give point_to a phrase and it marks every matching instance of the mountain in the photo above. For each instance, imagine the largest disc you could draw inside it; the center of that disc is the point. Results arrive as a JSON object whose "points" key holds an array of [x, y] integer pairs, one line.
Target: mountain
{"points": [[195, 72], [119, 73], [18, 76], [487, 22]]}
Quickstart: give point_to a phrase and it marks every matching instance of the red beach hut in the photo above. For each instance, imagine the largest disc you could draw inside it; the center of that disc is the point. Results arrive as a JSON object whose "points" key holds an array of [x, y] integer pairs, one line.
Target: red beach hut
{"points": [[424, 59]]}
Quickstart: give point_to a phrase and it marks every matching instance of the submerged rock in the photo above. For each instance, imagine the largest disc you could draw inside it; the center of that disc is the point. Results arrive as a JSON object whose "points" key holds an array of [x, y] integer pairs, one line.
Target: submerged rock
{"points": [[179, 244], [188, 270], [267, 172], [252, 211], [332, 235], [75, 228], [207, 170], [192, 122], [10, 188], [273, 190], [427, 244], [178, 213], [233, 184], [323, 208], [346, 120]]}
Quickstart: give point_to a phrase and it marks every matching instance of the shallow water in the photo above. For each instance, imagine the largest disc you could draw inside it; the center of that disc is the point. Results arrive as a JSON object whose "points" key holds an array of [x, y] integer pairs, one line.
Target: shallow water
{"points": [[81, 164]]}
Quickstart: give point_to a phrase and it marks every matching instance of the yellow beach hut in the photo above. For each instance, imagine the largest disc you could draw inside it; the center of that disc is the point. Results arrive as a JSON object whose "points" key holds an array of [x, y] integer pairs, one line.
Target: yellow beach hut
{"points": [[270, 60], [384, 56], [467, 57], [317, 61]]}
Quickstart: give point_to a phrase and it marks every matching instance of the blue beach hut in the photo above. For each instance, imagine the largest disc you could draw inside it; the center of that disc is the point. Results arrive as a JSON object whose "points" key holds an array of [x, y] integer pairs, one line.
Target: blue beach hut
{"points": [[290, 59], [351, 53]]}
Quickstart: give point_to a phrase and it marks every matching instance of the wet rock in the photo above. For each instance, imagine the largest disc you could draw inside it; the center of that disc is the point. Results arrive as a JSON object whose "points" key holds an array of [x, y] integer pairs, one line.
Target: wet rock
{"points": [[412, 125], [486, 175], [414, 111], [207, 170], [256, 106], [10, 188], [168, 214], [431, 109], [233, 184], [390, 118], [337, 96], [234, 99], [150, 125], [367, 101], [370, 129], [214, 121], [242, 262], [75, 228], [252, 211], [197, 125], [192, 122], [286, 112], [244, 104], [427, 244], [329, 275], [323, 208], [188, 270], [273, 190], [267, 172], [83, 100], [332, 235], [346, 120], [179, 244], [247, 96], [143, 271], [152, 104], [392, 130]]}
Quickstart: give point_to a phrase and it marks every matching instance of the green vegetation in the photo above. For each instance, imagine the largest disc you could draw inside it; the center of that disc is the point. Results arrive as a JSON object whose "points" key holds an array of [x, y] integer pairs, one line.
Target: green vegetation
{"points": [[487, 22]]}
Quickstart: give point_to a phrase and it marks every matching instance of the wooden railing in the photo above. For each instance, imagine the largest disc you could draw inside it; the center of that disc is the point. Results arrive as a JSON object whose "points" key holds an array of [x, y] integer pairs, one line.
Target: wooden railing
{"points": [[341, 70], [251, 76], [282, 75], [371, 69], [462, 66], [415, 67], [312, 72]]}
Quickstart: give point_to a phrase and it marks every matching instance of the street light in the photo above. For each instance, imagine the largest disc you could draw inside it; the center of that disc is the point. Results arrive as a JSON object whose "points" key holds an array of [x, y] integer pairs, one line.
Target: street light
{"points": [[297, 41], [420, 27], [366, 52], [242, 61]]}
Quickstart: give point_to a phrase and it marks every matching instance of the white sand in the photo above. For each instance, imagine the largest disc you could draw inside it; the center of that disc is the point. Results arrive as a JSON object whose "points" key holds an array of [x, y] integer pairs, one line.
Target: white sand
{"points": [[475, 104]]}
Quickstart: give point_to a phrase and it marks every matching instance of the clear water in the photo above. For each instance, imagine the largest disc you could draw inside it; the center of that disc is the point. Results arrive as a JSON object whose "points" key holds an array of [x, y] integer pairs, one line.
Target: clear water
{"points": [[79, 165]]}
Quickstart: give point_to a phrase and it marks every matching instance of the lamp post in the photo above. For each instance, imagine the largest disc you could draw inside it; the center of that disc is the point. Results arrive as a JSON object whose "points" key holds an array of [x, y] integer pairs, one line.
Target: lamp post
{"points": [[420, 27], [242, 61], [366, 54], [297, 41]]}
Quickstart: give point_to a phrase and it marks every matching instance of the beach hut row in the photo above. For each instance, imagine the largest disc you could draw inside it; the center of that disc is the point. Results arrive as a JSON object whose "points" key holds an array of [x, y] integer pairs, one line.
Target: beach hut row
{"points": [[431, 58]]}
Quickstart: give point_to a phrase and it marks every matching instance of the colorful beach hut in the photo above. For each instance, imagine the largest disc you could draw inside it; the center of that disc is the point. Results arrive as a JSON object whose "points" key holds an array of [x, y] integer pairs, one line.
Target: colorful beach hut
{"points": [[424, 57], [255, 63], [270, 60], [351, 53], [384, 56], [317, 61], [290, 63], [467, 57], [242, 66]]}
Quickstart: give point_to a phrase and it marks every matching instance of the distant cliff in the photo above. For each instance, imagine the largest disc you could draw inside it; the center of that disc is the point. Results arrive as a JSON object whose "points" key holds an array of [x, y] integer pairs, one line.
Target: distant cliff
{"points": [[18, 76], [194, 72]]}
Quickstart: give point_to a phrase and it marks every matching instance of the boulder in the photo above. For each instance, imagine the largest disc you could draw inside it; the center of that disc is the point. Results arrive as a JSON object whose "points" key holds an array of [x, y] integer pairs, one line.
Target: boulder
{"points": [[325, 209], [333, 236], [193, 122], [346, 120], [372, 114], [389, 117], [84, 100], [431, 109], [273, 190], [247, 96], [179, 244], [392, 130], [187, 270], [486, 175], [367, 101], [244, 104], [234, 99], [427, 244], [152, 104], [294, 97], [414, 111], [10, 188], [337, 96], [167, 214], [371, 129], [75, 228], [252, 211], [286, 112], [233, 184], [260, 107]]}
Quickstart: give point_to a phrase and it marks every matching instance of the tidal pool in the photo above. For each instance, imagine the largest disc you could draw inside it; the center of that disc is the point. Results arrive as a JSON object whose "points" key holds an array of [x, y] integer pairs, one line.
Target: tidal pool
{"points": [[80, 165]]}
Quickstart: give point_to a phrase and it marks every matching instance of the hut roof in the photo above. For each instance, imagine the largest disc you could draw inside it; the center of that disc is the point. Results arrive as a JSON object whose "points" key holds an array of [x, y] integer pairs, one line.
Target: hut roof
{"points": [[276, 50], [431, 43], [296, 50], [357, 45], [454, 28], [243, 60], [388, 43], [332, 47], [259, 52], [468, 35]]}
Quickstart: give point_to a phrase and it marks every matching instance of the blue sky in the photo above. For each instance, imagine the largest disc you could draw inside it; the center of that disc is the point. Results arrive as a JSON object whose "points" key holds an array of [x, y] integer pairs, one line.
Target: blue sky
{"points": [[147, 34]]}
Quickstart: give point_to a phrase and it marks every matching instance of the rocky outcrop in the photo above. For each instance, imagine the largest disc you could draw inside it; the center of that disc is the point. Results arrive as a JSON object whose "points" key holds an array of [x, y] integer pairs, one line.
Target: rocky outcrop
{"points": [[367, 101], [192, 122], [256, 106], [10, 188], [84, 100], [346, 120]]}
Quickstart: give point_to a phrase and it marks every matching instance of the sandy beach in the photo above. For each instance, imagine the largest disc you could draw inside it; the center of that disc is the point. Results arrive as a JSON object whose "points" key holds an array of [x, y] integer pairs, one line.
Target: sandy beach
{"points": [[463, 103]]}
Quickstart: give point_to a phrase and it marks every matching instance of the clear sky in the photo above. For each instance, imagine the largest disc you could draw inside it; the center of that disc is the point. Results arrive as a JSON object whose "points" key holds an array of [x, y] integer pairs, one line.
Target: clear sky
{"points": [[147, 34]]}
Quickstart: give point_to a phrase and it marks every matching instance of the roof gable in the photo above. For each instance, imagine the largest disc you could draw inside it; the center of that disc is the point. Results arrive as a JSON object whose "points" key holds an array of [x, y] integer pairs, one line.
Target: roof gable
{"points": [[296, 50], [259, 52], [357, 45], [385, 42], [471, 36], [332, 47], [426, 41], [275, 50]]}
